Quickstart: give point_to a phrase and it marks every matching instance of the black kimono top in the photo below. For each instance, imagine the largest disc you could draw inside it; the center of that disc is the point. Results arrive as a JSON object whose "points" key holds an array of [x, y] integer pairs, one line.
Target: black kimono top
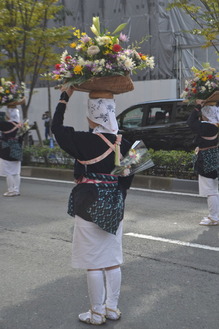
{"points": [[86, 146], [206, 164], [103, 203], [202, 129]]}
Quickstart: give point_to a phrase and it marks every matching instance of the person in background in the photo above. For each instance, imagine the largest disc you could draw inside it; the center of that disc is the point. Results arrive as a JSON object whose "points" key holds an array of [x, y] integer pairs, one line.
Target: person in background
{"points": [[204, 121], [97, 203], [46, 118], [11, 151]]}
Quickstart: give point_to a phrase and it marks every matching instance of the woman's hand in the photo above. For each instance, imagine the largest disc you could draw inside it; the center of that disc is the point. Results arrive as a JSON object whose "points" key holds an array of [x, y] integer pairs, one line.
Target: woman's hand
{"points": [[68, 90], [200, 101]]}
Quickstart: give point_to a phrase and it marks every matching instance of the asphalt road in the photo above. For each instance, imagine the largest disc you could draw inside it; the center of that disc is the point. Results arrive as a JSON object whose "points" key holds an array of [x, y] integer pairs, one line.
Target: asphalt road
{"points": [[170, 273]]}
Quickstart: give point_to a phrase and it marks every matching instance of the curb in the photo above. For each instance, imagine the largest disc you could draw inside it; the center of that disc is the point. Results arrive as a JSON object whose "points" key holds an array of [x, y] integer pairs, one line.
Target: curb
{"points": [[139, 181]]}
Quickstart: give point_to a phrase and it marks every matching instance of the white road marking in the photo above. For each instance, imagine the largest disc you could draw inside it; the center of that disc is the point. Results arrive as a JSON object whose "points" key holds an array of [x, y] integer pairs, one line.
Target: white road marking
{"points": [[48, 180], [165, 192], [181, 243]]}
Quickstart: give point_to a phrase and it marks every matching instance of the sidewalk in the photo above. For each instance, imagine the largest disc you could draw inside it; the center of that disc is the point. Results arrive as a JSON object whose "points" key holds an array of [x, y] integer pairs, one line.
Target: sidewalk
{"points": [[140, 181]]}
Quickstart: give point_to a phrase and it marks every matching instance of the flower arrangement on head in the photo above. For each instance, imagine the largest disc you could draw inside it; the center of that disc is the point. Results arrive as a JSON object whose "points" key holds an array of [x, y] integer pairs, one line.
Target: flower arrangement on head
{"points": [[100, 56], [11, 93], [204, 84]]}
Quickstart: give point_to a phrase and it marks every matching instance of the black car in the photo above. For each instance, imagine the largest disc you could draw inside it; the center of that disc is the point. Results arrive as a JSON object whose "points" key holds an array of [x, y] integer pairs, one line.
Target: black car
{"points": [[160, 124]]}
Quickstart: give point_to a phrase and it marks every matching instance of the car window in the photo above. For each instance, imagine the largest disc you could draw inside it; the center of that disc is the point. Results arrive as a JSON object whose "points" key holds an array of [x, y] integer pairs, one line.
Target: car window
{"points": [[159, 114], [132, 118], [182, 112]]}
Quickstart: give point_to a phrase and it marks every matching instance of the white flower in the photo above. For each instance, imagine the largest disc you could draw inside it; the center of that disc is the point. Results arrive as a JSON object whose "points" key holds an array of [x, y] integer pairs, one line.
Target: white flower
{"points": [[187, 83], [150, 62], [184, 94], [136, 54], [64, 54], [68, 74], [78, 48], [102, 62], [129, 64], [99, 69], [81, 61], [122, 57], [93, 50], [103, 40]]}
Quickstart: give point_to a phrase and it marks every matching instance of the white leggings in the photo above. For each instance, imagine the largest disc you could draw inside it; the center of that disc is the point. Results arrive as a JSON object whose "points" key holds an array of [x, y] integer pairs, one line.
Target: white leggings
{"points": [[213, 206], [208, 187], [13, 183], [99, 294]]}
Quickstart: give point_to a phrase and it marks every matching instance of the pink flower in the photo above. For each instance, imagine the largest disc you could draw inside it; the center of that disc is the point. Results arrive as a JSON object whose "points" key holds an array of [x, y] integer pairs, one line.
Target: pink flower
{"points": [[85, 38], [123, 37]]}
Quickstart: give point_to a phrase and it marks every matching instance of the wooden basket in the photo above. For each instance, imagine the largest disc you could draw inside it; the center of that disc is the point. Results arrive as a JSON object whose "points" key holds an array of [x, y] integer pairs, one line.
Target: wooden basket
{"points": [[214, 98], [117, 84]]}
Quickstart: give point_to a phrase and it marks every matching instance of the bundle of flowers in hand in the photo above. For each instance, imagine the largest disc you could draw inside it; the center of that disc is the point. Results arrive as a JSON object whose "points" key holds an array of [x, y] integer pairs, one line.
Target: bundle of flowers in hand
{"points": [[10, 92], [23, 128], [138, 159], [100, 56], [204, 84]]}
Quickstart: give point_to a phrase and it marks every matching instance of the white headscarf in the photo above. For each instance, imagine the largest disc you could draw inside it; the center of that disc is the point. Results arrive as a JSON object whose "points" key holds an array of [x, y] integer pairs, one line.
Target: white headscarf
{"points": [[13, 114], [211, 113], [102, 111]]}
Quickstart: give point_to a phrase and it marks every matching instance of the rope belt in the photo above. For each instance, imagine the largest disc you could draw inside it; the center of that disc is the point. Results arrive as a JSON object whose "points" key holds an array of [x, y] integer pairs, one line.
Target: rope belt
{"points": [[197, 149]]}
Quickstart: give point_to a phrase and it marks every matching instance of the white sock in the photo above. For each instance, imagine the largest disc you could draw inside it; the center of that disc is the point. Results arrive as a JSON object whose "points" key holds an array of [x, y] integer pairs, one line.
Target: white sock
{"points": [[10, 183], [96, 290], [17, 181], [113, 284], [213, 206]]}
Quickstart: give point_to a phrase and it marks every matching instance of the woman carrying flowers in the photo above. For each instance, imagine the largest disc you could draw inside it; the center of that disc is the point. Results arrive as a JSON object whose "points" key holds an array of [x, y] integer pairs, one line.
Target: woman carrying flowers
{"points": [[11, 153], [100, 66], [97, 203], [202, 91]]}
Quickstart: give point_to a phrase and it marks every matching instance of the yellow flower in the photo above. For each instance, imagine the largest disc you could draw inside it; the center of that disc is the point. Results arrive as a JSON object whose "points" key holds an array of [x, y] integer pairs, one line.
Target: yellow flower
{"points": [[78, 69], [107, 52], [204, 78], [77, 33], [144, 57], [73, 45], [57, 77]]}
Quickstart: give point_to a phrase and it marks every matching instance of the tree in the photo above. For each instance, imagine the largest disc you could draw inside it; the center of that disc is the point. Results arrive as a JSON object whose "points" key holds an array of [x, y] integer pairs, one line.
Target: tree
{"points": [[206, 15], [29, 41]]}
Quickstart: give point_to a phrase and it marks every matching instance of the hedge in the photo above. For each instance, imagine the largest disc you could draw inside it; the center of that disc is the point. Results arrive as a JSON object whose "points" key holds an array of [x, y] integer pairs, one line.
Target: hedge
{"points": [[166, 163]]}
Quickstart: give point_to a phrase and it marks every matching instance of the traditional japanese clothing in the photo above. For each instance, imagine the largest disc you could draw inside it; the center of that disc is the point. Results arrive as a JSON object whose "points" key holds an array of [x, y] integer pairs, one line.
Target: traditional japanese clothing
{"points": [[207, 158], [97, 202], [11, 151]]}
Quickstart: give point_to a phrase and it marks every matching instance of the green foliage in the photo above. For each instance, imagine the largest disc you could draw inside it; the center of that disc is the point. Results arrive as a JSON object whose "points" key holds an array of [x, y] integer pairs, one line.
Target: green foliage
{"points": [[172, 164], [167, 163], [46, 156], [205, 13], [28, 40]]}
